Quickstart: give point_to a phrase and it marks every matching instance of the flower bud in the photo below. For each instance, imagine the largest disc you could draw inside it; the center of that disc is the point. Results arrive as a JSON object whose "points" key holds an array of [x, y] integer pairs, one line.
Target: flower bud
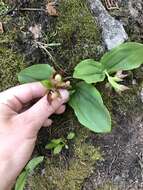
{"points": [[58, 78], [120, 75], [68, 83]]}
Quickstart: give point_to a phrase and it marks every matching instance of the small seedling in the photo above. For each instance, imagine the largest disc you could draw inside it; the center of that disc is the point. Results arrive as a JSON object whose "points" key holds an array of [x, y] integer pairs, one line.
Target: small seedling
{"points": [[85, 99], [56, 145], [32, 164]]}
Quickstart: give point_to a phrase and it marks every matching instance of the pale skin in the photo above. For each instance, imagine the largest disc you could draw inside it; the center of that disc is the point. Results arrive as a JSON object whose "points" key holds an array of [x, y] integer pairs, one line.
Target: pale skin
{"points": [[19, 129]]}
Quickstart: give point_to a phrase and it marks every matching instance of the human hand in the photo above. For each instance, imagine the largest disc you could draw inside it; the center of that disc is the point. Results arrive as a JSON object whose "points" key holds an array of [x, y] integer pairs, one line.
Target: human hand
{"points": [[18, 130]]}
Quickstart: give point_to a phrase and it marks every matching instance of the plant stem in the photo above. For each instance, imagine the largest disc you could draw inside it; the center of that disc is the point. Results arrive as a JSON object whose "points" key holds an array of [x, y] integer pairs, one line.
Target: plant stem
{"points": [[107, 74]]}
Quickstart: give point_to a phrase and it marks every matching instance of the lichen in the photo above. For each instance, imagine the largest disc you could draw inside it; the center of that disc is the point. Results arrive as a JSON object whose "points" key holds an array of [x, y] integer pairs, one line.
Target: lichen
{"points": [[108, 186], [71, 175], [10, 65]]}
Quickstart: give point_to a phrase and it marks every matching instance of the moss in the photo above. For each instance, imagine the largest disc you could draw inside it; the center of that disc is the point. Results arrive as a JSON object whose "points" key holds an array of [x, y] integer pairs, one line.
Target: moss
{"points": [[71, 175], [77, 32], [3, 7], [7, 38], [10, 62], [10, 65], [127, 102]]}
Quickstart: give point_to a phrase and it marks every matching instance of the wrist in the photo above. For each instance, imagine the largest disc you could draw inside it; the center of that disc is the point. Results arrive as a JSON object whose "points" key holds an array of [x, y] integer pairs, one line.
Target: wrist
{"points": [[7, 179]]}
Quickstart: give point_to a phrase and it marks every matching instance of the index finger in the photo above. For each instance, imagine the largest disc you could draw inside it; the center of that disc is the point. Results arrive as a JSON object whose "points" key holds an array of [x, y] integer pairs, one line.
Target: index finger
{"points": [[17, 96]]}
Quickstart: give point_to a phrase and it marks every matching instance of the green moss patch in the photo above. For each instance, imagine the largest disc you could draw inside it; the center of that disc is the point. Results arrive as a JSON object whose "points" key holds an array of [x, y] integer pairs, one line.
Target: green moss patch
{"points": [[3, 7], [10, 65], [77, 32], [71, 174]]}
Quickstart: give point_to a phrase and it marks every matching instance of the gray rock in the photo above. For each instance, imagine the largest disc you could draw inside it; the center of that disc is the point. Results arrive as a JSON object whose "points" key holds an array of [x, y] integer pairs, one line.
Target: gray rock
{"points": [[113, 32], [141, 95]]}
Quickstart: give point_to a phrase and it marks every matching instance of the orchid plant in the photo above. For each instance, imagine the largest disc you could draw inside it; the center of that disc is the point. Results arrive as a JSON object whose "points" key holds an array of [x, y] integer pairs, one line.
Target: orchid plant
{"points": [[85, 99]]}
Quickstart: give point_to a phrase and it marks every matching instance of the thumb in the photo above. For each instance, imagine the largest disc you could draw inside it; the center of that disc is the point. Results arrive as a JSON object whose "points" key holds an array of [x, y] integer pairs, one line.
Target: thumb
{"points": [[39, 112]]}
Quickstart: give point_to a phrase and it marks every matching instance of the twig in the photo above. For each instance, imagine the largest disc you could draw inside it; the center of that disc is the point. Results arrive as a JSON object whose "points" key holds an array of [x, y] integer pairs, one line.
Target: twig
{"points": [[31, 9], [49, 54], [49, 45], [68, 78], [44, 48], [14, 8]]}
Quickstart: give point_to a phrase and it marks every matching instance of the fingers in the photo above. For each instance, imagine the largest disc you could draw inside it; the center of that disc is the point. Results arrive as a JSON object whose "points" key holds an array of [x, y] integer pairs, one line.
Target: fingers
{"points": [[39, 112], [47, 123], [17, 96], [61, 109]]}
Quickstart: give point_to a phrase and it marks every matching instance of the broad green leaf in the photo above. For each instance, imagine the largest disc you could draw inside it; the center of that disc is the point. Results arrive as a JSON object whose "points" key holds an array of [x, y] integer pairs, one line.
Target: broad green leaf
{"points": [[33, 163], [58, 148], [89, 108], [34, 73], [90, 71], [71, 135], [127, 56], [21, 181]]}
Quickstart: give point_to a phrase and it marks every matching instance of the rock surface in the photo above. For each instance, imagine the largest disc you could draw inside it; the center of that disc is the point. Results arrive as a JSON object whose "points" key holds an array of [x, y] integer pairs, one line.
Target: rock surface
{"points": [[113, 32], [142, 95]]}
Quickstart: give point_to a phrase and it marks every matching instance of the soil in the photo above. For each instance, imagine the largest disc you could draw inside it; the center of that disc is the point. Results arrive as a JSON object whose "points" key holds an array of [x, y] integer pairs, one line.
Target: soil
{"points": [[93, 162], [123, 148]]}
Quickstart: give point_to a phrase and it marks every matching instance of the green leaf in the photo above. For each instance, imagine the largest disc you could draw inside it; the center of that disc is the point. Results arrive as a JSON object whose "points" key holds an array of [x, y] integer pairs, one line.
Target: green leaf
{"points": [[89, 108], [90, 71], [33, 163], [57, 141], [50, 146], [58, 148], [71, 92], [34, 73], [71, 135], [21, 181], [54, 143], [127, 56], [47, 84]]}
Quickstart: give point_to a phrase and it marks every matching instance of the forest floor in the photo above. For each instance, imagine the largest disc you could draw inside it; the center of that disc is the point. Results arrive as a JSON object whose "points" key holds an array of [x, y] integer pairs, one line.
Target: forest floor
{"points": [[93, 161]]}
